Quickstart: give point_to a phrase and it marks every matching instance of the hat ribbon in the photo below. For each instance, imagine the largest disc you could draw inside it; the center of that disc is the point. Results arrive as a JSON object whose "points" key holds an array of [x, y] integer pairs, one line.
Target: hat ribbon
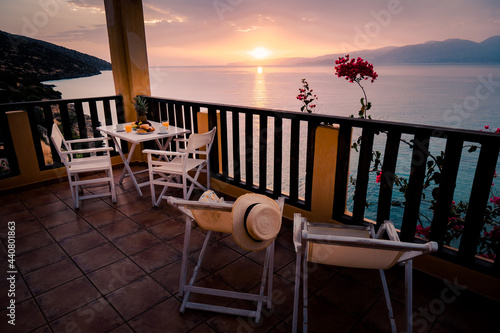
{"points": [[249, 208]]}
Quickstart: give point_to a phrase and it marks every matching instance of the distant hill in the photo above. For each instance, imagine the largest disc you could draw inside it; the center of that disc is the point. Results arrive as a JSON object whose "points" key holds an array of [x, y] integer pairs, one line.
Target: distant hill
{"points": [[448, 51], [25, 62]]}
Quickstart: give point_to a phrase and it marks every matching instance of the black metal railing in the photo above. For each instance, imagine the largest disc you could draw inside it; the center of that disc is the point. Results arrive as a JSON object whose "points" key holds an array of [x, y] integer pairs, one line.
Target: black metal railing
{"points": [[79, 119], [249, 134], [272, 152]]}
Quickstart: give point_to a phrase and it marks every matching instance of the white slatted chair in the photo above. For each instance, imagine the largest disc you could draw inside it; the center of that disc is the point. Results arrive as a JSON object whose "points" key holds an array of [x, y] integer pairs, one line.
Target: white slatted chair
{"points": [[357, 247], [77, 166], [172, 168], [218, 216]]}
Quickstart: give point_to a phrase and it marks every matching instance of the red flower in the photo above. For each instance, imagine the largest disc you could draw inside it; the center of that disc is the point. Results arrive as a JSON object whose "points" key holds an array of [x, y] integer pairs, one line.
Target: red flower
{"points": [[379, 176]]}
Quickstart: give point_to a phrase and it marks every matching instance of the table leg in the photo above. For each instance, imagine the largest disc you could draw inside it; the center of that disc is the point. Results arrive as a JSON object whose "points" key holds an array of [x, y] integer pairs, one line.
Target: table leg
{"points": [[126, 164]]}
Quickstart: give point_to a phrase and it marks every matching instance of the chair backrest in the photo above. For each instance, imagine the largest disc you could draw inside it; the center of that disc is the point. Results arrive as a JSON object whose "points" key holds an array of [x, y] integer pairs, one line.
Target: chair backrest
{"points": [[355, 247], [58, 142], [197, 140]]}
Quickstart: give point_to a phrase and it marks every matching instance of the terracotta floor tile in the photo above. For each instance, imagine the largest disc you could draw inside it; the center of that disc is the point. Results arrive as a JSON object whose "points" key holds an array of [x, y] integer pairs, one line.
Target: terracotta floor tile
{"points": [[155, 320], [40, 257], [105, 217], [81, 243], [27, 317], [97, 316], [32, 242], [169, 229], [126, 198], [57, 218], [98, 257], [122, 329], [195, 244], [169, 276], [40, 200], [145, 293], [70, 229], [156, 257], [19, 288], [12, 206], [52, 276], [232, 274], [119, 229], [19, 217], [116, 275], [216, 257], [49, 209], [92, 207], [136, 207], [28, 228], [136, 242], [151, 217], [66, 298], [351, 297]]}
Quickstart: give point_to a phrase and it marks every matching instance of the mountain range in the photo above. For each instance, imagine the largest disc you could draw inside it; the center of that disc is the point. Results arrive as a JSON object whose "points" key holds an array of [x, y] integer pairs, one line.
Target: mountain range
{"points": [[25, 62], [448, 51]]}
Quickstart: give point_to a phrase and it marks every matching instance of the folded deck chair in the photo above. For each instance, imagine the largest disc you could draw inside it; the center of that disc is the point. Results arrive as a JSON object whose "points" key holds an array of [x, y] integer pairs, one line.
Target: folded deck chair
{"points": [[357, 247], [254, 221]]}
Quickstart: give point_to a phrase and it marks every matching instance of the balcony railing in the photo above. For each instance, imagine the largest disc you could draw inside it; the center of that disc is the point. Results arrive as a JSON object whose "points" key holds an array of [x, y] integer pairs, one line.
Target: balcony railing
{"points": [[272, 152], [79, 119]]}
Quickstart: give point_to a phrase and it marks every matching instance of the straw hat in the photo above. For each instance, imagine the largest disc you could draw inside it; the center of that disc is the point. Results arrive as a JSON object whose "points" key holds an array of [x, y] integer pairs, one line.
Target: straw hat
{"points": [[256, 221]]}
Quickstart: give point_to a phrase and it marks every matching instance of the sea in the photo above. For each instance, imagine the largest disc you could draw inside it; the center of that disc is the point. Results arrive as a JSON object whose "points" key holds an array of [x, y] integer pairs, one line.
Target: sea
{"points": [[463, 96]]}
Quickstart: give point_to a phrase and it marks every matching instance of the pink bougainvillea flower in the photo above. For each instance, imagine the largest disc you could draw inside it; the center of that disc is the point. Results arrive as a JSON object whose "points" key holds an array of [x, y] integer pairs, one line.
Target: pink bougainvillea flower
{"points": [[486, 126], [421, 231], [495, 200], [498, 130], [379, 176]]}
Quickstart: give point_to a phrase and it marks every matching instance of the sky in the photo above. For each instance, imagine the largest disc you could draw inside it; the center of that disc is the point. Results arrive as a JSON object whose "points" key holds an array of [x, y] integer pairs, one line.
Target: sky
{"points": [[217, 32]]}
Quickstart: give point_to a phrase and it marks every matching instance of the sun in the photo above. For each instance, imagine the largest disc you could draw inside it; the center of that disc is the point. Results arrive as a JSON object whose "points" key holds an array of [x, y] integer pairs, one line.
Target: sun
{"points": [[260, 53]]}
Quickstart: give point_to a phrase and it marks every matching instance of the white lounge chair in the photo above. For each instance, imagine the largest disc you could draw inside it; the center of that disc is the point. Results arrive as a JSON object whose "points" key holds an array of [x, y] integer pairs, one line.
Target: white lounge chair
{"points": [[229, 217], [353, 246]]}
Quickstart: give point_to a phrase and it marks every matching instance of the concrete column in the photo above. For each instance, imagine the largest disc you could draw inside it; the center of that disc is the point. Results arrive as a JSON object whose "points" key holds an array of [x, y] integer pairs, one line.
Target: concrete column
{"points": [[127, 45]]}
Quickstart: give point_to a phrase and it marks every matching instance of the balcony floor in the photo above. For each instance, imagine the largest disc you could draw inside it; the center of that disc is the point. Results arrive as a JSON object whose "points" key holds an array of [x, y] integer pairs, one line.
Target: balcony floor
{"points": [[115, 268]]}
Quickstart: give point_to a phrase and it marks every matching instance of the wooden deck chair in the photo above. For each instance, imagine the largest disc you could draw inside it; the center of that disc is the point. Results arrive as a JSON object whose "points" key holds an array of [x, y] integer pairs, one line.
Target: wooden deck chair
{"points": [[172, 167], [77, 165], [254, 221], [353, 246]]}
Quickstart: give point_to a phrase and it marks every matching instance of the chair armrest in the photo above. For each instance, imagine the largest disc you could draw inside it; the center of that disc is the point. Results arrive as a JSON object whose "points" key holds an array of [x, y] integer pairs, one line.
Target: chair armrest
{"points": [[226, 205], [86, 151], [162, 152], [104, 138]]}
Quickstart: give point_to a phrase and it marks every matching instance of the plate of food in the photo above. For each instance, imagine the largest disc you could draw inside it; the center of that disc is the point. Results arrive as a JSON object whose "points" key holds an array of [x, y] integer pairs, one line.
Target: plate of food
{"points": [[145, 129]]}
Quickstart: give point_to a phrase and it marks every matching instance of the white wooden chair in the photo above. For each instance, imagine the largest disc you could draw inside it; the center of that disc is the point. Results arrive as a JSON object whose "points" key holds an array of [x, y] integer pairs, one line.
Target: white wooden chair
{"points": [[172, 167], [77, 165], [353, 246], [220, 217]]}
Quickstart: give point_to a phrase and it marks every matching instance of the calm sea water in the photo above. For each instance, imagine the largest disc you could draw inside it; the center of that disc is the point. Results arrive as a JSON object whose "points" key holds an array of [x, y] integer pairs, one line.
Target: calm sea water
{"points": [[459, 96]]}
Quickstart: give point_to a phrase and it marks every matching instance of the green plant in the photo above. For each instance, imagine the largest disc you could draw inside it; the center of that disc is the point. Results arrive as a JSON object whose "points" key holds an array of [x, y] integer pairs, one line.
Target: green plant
{"points": [[141, 107], [306, 97]]}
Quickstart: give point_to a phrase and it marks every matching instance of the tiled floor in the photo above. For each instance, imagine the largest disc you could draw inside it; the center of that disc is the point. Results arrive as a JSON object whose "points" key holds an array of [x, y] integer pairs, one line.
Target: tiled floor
{"points": [[115, 268]]}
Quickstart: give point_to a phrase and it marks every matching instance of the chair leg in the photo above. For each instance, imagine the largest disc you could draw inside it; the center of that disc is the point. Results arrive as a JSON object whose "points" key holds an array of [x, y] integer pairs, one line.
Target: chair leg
{"points": [[388, 300], [296, 291], [185, 250], [305, 286], [409, 295]]}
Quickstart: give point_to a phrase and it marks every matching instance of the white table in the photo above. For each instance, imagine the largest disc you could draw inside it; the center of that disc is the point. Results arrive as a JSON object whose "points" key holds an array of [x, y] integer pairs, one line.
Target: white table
{"points": [[134, 138]]}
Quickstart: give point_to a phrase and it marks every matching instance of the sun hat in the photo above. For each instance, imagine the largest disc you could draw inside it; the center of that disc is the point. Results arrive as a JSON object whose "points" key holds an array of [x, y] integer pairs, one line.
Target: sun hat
{"points": [[256, 221]]}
